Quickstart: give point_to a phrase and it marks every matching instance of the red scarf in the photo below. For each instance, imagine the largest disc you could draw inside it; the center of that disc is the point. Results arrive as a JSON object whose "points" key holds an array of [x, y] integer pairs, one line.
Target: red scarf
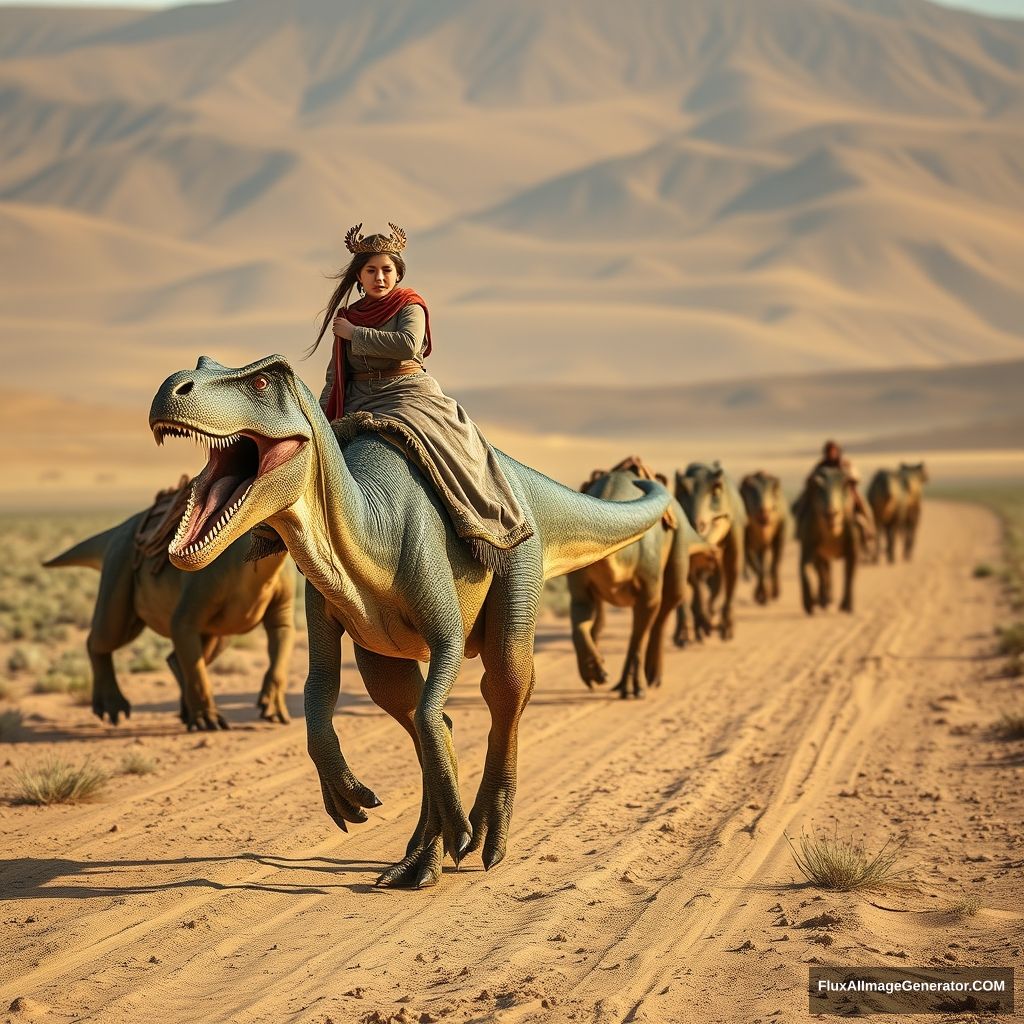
{"points": [[369, 312]]}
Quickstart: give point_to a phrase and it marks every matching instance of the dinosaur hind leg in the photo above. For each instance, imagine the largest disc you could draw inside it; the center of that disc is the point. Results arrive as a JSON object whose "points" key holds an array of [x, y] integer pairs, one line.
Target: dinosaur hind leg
{"points": [[279, 623], [633, 682], [506, 686], [114, 624], [395, 685]]}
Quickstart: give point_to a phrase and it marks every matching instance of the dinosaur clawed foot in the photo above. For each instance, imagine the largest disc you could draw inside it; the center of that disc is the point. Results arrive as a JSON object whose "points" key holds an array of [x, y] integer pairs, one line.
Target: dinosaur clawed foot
{"points": [[204, 720], [490, 819], [345, 797], [417, 870], [272, 705], [592, 670], [112, 706], [631, 684]]}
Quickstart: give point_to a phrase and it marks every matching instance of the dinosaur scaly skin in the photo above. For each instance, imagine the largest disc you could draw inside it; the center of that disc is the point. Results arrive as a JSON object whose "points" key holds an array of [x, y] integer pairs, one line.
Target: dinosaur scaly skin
{"points": [[198, 611], [649, 576], [826, 530], [714, 507], [382, 561], [894, 497], [767, 526]]}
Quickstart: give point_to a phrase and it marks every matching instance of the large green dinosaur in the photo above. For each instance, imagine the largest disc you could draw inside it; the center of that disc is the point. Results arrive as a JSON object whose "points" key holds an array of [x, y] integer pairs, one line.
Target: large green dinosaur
{"points": [[382, 560], [199, 612]]}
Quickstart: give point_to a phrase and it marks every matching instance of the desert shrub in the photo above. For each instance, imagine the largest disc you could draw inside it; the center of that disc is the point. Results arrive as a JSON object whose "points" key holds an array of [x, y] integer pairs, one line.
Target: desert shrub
{"points": [[50, 684], [555, 597], [983, 570], [57, 782], [967, 906], [145, 661], [1011, 639], [80, 691], [230, 664], [831, 862], [137, 764], [26, 658], [148, 653], [70, 673], [10, 725]]}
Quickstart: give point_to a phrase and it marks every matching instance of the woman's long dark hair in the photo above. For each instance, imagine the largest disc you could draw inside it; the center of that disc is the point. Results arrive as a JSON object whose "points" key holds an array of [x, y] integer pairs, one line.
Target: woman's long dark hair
{"points": [[347, 280]]}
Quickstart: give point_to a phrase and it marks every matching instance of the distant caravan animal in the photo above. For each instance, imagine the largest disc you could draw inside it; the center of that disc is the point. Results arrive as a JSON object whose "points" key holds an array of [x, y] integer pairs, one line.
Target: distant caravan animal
{"points": [[895, 499], [767, 525], [826, 530], [649, 576], [199, 611], [715, 509]]}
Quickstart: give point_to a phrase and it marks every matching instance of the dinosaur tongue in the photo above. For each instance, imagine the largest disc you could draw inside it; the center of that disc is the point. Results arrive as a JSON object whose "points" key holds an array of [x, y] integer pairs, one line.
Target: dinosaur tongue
{"points": [[223, 493]]}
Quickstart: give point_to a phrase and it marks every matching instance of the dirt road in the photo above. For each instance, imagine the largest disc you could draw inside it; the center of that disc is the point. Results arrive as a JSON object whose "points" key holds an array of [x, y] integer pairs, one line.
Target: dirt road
{"points": [[648, 876]]}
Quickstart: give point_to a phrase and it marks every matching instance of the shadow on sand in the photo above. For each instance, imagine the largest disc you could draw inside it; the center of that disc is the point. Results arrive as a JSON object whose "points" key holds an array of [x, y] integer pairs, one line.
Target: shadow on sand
{"points": [[60, 878]]}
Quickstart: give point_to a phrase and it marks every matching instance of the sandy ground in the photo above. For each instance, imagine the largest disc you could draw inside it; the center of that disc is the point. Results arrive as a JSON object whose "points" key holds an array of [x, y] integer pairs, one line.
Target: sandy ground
{"points": [[648, 877]]}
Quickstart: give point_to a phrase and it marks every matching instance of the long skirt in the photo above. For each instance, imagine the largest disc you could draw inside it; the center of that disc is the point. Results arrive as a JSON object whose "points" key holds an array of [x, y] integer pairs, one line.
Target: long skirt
{"points": [[448, 447]]}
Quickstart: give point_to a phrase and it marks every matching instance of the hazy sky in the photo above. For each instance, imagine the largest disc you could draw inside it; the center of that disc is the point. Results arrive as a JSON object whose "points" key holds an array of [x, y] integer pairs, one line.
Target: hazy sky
{"points": [[1010, 8]]}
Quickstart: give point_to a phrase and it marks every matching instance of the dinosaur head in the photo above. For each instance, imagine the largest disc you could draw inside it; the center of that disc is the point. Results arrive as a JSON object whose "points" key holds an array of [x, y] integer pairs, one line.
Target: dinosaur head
{"points": [[702, 493], [255, 423], [828, 498], [763, 499]]}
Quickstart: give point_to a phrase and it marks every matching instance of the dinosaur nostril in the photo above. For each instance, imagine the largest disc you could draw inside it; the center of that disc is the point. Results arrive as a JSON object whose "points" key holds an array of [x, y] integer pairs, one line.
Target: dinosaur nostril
{"points": [[184, 388]]}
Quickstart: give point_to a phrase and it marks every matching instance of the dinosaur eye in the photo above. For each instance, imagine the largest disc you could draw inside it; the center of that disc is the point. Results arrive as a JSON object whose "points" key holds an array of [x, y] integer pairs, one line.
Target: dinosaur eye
{"points": [[260, 383]]}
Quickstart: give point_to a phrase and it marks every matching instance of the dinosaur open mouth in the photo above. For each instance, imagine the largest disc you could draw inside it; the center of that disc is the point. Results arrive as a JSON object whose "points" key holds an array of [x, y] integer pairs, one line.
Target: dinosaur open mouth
{"points": [[234, 464]]}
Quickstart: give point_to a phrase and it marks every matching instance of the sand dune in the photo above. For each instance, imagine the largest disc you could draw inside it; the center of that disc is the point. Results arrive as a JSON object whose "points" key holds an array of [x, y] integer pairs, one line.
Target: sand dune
{"points": [[737, 188]]}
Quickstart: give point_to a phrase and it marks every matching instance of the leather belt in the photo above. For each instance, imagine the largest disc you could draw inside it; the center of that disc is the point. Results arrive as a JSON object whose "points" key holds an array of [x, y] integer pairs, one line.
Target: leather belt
{"points": [[404, 369]]}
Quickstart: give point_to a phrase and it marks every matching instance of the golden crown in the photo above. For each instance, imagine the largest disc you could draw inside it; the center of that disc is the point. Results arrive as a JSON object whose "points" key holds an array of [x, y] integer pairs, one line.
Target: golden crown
{"points": [[378, 244]]}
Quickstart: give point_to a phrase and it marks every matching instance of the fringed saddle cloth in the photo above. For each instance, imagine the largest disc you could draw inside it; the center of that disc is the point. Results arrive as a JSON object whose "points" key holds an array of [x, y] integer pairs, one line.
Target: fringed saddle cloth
{"points": [[488, 542], [157, 526], [635, 465]]}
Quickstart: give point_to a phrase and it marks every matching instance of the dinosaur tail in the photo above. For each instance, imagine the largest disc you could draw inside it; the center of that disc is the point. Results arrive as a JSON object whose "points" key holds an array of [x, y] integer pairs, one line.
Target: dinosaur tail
{"points": [[88, 553], [577, 529]]}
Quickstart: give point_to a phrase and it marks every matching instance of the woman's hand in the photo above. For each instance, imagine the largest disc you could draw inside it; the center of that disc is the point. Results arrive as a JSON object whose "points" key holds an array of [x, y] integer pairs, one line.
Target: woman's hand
{"points": [[342, 328]]}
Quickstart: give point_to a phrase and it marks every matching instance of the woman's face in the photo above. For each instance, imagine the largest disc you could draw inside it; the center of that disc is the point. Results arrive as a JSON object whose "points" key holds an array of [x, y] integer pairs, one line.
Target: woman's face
{"points": [[378, 276]]}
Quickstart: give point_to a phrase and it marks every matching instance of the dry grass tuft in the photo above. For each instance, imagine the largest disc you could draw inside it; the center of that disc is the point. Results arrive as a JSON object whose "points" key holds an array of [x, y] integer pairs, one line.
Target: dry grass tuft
{"points": [[1010, 727], [830, 862], [137, 764], [57, 782], [10, 725], [967, 906]]}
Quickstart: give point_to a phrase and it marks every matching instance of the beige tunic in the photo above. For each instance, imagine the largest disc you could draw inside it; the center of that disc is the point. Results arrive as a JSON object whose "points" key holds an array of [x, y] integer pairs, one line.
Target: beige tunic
{"points": [[434, 430]]}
